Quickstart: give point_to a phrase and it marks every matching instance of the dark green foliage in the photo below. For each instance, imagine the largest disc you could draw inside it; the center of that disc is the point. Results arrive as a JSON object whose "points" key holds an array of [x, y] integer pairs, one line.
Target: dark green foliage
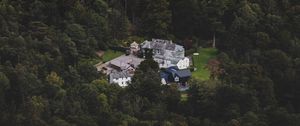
{"points": [[148, 65], [201, 100], [45, 81], [171, 96], [148, 54], [151, 18], [146, 81], [156, 18], [4, 83]]}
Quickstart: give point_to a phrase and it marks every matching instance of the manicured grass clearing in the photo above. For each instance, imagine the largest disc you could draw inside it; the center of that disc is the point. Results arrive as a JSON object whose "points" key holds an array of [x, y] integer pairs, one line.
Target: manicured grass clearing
{"points": [[93, 60], [184, 96], [110, 54], [200, 61]]}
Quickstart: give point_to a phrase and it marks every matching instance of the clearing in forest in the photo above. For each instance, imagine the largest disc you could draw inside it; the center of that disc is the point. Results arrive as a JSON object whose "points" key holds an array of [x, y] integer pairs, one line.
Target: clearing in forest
{"points": [[110, 54], [200, 61]]}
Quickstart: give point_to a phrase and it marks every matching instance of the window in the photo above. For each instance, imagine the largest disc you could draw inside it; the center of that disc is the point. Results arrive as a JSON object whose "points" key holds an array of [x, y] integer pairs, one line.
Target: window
{"points": [[176, 79]]}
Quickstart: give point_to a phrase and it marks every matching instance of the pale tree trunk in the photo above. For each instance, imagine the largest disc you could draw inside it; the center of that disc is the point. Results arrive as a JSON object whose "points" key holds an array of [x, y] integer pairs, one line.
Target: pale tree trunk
{"points": [[214, 41]]}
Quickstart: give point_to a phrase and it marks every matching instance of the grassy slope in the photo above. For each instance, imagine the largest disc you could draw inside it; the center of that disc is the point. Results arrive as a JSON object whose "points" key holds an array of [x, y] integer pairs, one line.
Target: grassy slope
{"points": [[110, 54], [184, 96], [91, 61], [205, 54]]}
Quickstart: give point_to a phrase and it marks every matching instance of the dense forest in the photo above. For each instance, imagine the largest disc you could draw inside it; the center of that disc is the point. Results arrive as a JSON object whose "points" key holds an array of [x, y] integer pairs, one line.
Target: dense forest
{"points": [[46, 79]]}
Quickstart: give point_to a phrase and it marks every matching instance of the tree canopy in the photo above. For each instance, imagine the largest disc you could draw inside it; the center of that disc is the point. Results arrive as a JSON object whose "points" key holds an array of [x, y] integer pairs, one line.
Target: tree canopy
{"points": [[46, 78]]}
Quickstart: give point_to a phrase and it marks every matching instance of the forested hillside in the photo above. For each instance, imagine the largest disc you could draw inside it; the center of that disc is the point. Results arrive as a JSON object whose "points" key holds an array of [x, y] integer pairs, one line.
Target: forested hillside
{"points": [[46, 78]]}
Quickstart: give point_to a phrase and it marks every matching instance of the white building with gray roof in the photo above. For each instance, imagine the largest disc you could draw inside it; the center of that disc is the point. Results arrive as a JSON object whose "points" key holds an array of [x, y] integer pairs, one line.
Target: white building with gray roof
{"points": [[121, 69], [167, 53], [122, 78]]}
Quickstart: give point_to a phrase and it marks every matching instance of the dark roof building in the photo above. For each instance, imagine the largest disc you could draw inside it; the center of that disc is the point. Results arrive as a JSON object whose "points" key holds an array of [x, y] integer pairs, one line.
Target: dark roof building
{"points": [[183, 73], [173, 74]]}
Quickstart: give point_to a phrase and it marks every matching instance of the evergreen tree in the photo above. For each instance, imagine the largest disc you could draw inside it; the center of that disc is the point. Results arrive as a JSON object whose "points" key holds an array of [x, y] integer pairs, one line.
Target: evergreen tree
{"points": [[156, 19]]}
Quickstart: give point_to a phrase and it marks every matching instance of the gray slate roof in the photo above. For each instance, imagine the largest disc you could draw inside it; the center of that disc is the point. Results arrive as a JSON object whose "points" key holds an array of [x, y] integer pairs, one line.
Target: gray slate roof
{"points": [[170, 46], [161, 44], [125, 61], [117, 75], [167, 50], [183, 73]]}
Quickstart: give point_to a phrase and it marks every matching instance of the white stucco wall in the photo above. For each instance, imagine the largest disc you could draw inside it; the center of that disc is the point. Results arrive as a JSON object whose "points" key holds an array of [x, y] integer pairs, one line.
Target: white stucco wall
{"points": [[184, 63], [123, 82], [163, 81]]}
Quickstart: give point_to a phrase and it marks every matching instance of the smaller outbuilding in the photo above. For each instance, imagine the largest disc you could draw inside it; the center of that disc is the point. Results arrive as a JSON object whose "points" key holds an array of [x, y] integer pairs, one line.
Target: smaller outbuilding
{"points": [[121, 78], [182, 76], [175, 75], [134, 48]]}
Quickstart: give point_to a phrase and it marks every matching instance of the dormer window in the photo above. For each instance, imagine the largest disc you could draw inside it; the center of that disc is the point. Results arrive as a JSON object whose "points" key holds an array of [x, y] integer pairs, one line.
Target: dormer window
{"points": [[176, 79]]}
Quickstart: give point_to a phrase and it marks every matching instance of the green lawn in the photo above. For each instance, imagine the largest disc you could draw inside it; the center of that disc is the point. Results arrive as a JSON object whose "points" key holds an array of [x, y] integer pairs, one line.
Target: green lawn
{"points": [[200, 61], [110, 54], [184, 96], [90, 61]]}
